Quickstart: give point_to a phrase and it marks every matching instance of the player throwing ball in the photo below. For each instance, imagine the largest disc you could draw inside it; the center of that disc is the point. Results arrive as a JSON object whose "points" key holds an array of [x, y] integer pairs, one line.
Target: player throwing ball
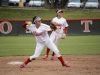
{"points": [[40, 31], [60, 33]]}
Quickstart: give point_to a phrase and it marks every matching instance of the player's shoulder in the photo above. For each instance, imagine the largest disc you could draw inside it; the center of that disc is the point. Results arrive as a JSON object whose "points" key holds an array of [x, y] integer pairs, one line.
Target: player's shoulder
{"points": [[54, 18], [32, 25], [63, 18], [44, 25]]}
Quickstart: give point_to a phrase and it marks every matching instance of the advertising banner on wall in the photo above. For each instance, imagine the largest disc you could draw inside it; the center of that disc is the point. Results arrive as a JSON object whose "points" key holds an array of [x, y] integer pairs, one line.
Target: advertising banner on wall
{"points": [[76, 27]]}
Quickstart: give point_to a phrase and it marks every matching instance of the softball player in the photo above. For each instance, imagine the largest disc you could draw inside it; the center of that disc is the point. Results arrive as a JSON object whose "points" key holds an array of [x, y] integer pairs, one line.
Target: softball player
{"points": [[40, 32], [56, 36]]}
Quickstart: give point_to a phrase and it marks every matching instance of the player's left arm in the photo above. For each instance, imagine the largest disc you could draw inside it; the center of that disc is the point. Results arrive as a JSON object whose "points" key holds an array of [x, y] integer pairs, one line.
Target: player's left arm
{"points": [[66, 30], [66, 27]]}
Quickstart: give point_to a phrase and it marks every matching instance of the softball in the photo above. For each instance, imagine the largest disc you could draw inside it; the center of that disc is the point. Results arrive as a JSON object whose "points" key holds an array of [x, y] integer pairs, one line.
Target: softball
{"points": [[29, 23]]}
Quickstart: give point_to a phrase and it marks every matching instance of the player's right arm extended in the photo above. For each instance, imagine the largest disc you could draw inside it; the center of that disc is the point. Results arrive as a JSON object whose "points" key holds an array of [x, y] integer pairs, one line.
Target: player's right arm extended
{"points": [[26, 23]]}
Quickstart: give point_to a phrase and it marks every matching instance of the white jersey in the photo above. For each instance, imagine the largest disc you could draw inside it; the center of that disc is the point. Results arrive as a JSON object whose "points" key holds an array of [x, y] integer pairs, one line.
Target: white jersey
{"points": [[41, 32], [62, 24]]}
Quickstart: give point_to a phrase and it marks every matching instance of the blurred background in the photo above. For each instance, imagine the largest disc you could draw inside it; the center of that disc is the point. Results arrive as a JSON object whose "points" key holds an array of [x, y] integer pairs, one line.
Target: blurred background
{"points": [[52, 4]]}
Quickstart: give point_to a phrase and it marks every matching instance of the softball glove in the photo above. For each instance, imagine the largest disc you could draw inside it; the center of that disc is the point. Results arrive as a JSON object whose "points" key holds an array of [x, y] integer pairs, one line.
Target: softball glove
{"points": [[63, 36], [53, 27]]}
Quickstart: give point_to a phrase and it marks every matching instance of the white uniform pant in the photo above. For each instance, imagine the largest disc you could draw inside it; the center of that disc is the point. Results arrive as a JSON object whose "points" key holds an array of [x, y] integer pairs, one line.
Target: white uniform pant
{"points": [[40, 45], [56, 37]]}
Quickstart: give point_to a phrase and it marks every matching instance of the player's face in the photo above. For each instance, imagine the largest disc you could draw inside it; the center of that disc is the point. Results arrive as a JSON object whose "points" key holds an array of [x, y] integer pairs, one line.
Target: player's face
{"points": [[38, 22], [60, 14]]}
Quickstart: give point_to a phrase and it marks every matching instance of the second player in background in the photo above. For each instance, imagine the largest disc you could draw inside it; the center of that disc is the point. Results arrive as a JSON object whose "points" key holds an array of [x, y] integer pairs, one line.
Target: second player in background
{"points": [[56, 36]]}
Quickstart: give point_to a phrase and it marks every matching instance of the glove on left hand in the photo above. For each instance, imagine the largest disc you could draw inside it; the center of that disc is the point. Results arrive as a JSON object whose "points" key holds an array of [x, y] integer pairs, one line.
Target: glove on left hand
{"points": [[63, 36]]}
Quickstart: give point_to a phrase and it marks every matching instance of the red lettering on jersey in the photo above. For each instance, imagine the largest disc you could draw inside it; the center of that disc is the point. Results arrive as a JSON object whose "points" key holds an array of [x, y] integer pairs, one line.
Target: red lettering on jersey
{"points": [[2, 27], [86, 25], [58, 25]]}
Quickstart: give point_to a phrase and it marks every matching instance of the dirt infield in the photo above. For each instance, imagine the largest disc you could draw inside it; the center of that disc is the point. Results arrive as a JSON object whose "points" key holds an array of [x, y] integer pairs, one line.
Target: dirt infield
{"points": [[80, 65]]}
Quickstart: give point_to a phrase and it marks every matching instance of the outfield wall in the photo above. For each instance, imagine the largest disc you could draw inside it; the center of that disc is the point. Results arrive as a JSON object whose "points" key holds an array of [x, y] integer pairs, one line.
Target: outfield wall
{"points": [[76, 27]]}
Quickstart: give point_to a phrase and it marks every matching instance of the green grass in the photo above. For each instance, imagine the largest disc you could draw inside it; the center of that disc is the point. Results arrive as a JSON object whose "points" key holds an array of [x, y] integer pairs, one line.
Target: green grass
{"points": [[29, 13], [25, 45], [80, 45]]}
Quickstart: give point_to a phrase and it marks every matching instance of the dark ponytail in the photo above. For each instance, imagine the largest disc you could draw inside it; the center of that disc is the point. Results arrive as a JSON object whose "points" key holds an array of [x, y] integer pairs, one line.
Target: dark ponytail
{"points": [[33, 19]]}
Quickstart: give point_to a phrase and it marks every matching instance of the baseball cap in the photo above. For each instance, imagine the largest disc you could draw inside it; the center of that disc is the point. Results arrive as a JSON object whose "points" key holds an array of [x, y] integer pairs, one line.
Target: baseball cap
{"points": [[58, 11], [37, 19]]}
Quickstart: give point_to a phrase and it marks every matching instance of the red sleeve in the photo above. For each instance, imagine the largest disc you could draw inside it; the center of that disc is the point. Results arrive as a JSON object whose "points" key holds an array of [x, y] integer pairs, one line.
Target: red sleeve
{"points": [[65, 30], [24, 25]]}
